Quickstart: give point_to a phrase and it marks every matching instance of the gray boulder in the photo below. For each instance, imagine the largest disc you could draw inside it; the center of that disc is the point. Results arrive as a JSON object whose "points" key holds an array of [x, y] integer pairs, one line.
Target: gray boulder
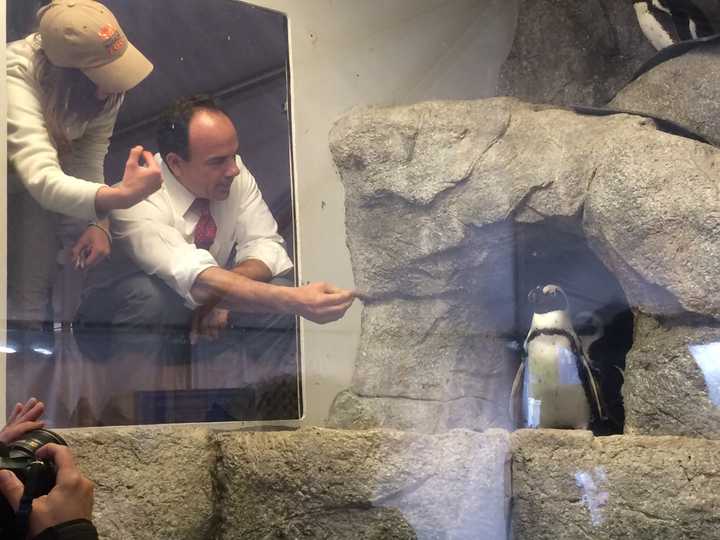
{"points": [[150, 483], [435, 196], [320, 483], [444, 368], [573, 53], [672, 379], [191, 483], [684, 90], [569, 485]]}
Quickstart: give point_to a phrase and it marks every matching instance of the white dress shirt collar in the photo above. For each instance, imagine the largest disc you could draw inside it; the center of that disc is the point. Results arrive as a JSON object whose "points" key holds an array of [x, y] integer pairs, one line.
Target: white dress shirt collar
{"points": [[180, 197]]}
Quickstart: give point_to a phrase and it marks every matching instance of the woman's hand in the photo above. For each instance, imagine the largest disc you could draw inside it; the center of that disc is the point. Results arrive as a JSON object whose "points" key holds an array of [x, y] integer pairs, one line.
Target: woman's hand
{"points": [[23, 418], [139, 182], [91, 248]]}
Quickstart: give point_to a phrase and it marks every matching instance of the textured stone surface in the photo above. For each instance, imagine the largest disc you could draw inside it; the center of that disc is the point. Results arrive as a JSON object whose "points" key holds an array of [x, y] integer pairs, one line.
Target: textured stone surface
{"points": [[685, 90], [444, 369], [573, 53], [643, 195], [567, 485], [653, 216], [150, 483], [672, 379], [435, 196], [353, 411], [320, 483]]}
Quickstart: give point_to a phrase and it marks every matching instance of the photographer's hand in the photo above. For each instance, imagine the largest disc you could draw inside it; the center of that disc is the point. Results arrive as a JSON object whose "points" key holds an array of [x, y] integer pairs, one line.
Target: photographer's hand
{"points": [[23, 418], [70, 499]]}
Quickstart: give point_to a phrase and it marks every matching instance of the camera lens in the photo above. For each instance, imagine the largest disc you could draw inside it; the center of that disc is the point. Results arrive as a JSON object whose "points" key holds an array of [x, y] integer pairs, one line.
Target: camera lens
{"points": [[33, 441]]}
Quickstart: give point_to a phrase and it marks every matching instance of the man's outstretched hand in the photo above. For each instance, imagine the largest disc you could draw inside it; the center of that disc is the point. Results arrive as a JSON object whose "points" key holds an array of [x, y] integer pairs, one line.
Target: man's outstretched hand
{"points": [[322, 302]]}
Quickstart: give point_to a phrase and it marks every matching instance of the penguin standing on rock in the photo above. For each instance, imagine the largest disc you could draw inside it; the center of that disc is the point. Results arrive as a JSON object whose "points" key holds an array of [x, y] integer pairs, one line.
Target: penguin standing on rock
{"points": [[555, 386], [666, 22]]}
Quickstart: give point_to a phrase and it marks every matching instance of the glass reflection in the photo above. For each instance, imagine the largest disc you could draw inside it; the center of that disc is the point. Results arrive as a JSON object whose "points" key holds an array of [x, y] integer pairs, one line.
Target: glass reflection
{"points": [[707, 357], [116, 380]]}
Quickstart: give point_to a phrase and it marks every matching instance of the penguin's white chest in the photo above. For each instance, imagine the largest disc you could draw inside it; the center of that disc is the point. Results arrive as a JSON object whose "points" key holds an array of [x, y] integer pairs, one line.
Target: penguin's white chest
{"points": [[553, 392], [658, 34]]}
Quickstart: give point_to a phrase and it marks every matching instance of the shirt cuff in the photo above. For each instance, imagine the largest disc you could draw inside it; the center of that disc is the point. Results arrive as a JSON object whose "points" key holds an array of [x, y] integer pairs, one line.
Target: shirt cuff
{"points": [[186, 293], [84, 205], [185, 266], [272, 255]]}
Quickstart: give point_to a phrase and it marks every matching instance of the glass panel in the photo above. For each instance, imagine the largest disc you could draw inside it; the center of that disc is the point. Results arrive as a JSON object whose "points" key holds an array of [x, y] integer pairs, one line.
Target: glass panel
{"points": [[110, 345]]}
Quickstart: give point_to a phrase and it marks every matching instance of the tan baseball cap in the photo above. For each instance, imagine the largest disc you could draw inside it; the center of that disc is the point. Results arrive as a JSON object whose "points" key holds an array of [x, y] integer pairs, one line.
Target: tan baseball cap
{"points": [[84, 34]]}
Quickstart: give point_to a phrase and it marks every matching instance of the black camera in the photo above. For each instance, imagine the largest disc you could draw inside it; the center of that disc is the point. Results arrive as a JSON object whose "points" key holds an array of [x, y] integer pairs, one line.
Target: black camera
{"points": [[37, 476]]}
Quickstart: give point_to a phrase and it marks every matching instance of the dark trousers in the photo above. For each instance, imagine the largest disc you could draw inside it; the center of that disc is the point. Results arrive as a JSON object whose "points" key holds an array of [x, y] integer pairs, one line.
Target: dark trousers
{"points": [[138, 329]]}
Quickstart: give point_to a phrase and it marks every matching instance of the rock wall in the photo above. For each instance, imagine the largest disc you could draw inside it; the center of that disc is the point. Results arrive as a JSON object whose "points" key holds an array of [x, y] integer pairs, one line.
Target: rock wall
{"points": [[435, 195], [452, 209], [672, 380], [194, 483], [569, 485], [684, 89], [573, 53]]}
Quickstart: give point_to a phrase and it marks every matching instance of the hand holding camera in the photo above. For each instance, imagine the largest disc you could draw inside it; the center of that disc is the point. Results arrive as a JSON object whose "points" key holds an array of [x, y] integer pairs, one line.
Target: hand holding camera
{"points": [[70, 499], [42, 492]]}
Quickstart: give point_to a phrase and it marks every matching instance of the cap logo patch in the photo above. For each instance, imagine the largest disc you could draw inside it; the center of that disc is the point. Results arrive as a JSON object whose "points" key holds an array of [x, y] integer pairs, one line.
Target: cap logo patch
{"points": [[106, 31], [114, 42]]}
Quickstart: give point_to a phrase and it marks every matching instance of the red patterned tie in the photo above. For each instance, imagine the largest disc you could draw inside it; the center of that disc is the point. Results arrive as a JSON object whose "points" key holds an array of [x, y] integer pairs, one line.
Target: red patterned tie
{"points": [[206, 228]]}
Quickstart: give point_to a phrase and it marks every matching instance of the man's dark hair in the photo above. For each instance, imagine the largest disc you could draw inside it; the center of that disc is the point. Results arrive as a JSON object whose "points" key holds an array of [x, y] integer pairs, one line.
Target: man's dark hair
{"points": [[172, 131]]}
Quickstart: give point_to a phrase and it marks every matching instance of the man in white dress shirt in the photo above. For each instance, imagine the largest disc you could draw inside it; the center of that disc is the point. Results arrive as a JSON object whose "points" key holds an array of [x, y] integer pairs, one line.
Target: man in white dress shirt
{"points": [[195, 254]]}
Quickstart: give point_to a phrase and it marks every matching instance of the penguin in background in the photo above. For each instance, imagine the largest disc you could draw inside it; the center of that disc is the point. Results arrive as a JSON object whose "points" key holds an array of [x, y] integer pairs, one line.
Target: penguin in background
{"points": [[666, 22], [555, 385], [590, 329], [606, 342]]}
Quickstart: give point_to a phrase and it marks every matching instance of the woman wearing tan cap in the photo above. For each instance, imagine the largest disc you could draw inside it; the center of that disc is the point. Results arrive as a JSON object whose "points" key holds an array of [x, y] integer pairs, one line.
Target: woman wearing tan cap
{"points": [[65, 86]]}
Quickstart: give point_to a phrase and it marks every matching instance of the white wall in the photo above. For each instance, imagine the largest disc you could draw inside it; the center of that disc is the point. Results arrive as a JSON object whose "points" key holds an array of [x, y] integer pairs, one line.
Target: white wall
{"points": [[346, 53]]}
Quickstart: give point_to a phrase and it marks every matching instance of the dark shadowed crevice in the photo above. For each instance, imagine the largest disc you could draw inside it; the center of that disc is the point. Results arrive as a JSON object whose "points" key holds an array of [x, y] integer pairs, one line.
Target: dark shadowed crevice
{"points": [[555, 251]]}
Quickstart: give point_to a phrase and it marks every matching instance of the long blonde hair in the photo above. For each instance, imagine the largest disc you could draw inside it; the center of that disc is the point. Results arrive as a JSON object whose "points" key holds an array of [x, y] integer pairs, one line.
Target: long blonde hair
{"points": [[67, 95]]}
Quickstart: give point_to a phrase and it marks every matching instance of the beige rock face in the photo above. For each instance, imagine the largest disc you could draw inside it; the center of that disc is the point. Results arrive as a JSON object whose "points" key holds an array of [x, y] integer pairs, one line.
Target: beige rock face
{"points": [[573, 53], [192, 483], [683, 90], [150, 483], [569, 485], [672, 382], [436, 194], [322, 483]]}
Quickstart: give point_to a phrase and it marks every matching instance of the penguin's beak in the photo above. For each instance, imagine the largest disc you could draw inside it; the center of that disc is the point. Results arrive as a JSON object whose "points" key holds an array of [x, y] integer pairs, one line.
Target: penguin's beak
{"points": [[534, 295], [550, 290]]}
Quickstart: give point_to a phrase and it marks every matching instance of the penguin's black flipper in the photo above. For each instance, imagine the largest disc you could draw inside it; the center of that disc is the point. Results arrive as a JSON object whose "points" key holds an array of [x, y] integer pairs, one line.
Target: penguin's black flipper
{"points": [[588, 378], [515, 406], [592, 389]]}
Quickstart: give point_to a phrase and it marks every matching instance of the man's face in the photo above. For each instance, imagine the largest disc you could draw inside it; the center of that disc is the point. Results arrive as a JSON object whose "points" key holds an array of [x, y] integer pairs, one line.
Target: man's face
{"points": [[211, 167]]}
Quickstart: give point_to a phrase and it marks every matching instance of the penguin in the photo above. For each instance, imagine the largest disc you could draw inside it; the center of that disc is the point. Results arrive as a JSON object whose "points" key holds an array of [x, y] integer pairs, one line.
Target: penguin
{"points": [[590, 329], [666, 22], [555, 385]]}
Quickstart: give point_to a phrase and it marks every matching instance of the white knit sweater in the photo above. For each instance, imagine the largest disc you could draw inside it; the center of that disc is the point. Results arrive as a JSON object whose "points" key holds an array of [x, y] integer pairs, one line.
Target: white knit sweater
{"points": [[66, 184]]}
